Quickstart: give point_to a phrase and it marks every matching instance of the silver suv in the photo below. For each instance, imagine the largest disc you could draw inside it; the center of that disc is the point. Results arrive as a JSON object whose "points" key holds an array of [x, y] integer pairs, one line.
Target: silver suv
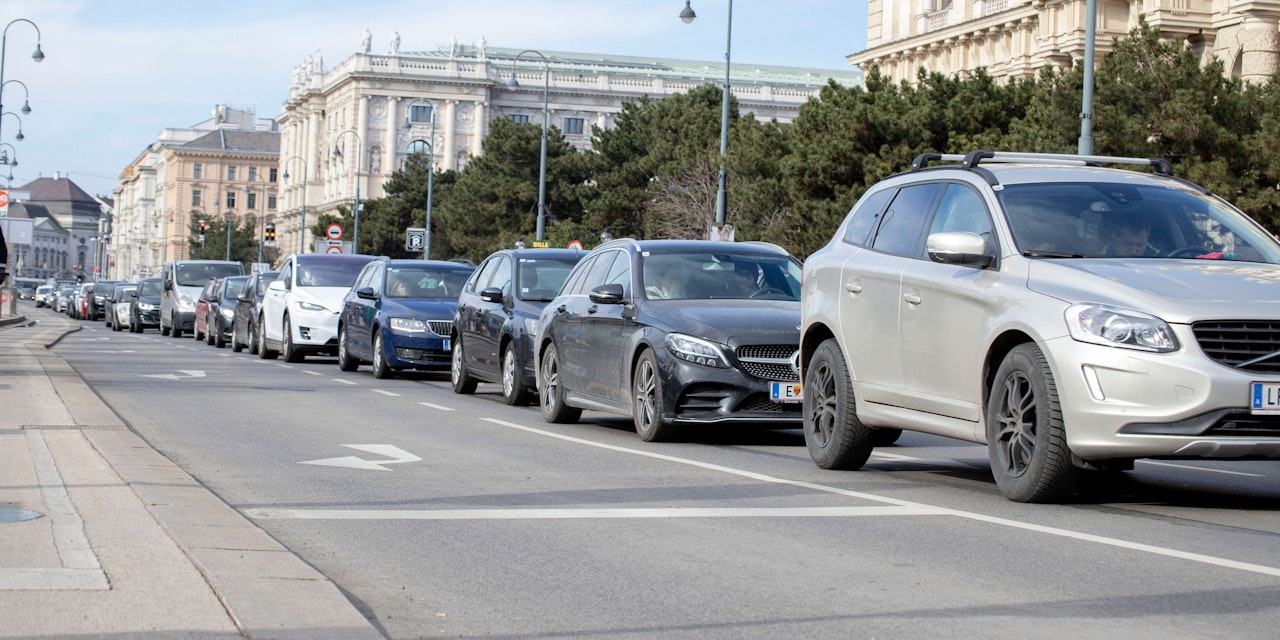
{"points": [[1069, 315]]}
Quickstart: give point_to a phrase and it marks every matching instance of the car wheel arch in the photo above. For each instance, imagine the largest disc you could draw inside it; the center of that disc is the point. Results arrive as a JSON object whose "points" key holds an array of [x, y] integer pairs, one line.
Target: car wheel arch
{"points": [[1000, 347]]}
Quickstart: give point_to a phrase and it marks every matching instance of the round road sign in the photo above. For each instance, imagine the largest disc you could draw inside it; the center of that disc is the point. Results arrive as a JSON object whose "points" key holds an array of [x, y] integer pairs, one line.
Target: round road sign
{"points": [[334, 232], [333, 248], [4, 198], [574, 244]]}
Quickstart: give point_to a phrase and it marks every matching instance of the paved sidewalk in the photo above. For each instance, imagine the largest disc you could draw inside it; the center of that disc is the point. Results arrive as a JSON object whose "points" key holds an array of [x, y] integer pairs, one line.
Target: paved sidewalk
{"points": [[121, 542]]}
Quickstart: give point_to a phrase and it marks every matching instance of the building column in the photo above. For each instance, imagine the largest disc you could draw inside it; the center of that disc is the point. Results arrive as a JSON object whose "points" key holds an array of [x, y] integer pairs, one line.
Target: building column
{"points": [[446, 127], [1259, 46], [481, 124], [362, 129], [391, 152]]}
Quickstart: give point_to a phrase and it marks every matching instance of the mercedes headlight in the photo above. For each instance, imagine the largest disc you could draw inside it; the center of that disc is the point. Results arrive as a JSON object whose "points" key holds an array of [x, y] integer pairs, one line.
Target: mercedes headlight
{"points": [[696, 350], [1117, 327]]}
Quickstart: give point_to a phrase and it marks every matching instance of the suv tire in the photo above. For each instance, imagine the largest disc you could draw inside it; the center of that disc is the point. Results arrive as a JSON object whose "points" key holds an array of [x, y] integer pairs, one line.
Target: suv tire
{"points": [[836, 438], [288, 349], [514, 390], [263, 352], [1026, 440]]}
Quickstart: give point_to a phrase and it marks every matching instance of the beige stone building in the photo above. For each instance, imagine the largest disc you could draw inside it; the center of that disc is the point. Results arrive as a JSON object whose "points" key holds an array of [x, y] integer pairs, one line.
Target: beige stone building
{"points": [[375, 107], [1015, 38], [225, 168]]}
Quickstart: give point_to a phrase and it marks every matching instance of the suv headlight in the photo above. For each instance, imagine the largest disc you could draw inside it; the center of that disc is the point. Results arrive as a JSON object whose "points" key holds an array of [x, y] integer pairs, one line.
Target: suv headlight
{"points": [[311, 306], [408, 325], [184, 302], [1117, 327], [696, 350]]}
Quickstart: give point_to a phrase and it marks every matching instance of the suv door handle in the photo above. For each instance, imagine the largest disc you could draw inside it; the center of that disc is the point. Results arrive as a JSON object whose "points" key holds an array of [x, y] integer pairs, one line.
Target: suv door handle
{"points": [[912, 298], [853, 287]]}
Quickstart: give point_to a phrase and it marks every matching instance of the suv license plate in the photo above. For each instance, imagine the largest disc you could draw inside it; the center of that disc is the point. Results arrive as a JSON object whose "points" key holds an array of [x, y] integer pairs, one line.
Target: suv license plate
{"points": [[792, 392], [1266, 397]]}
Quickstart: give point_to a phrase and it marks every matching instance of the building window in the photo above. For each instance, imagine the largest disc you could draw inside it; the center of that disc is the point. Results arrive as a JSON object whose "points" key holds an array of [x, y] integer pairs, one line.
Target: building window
{"points": [[197, 171], [519, 118], [231, 172], [253, 174], [420, 113], [271, 203], [271, 174], [573, 126], [231, 199], [251, 200], [195, 198]]}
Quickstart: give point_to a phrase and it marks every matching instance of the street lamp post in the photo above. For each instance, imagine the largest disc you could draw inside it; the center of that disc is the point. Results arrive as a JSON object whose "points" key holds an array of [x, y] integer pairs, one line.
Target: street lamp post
{"points": [[542, 159], [1085, 144], [431, 168], [18, 137], [26, 100], [262, 219], [687, 15], [355, 210], [38, 55], [302, 226]]}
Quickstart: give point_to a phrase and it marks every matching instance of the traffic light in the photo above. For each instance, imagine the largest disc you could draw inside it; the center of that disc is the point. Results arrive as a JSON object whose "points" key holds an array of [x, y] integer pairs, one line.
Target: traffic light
{"points": [[203, 227], [271, 234]]}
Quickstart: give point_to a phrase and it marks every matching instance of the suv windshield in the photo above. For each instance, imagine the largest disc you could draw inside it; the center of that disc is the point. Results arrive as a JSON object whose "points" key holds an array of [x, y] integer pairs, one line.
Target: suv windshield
{"points": [[149, 287], [702, 276], [232, 290], [1114, 220], [197, 275]]}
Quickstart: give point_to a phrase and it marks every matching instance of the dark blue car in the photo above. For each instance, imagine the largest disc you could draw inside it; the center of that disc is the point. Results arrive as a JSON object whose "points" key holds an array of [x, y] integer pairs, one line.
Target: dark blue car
{"points": [[399, 315]]}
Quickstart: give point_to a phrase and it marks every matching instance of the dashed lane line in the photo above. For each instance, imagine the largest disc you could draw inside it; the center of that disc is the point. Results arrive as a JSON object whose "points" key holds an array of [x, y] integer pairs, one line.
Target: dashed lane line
{"points": [[385, 393], [436, 406], [344, 381]]}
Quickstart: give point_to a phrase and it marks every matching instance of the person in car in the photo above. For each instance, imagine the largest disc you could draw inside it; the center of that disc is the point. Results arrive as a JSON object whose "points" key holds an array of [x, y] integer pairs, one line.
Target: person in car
{"points": [[1129, 238], [667, 287]]}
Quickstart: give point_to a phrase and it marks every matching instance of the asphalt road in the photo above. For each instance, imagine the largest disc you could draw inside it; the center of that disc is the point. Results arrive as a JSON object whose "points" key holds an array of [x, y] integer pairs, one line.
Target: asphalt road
{"points": [[441, 514]]}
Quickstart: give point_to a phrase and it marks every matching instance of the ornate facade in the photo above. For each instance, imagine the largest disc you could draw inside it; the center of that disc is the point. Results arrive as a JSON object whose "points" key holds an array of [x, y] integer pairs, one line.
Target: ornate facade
{"points": [[375, 108], [1015, 38], [200, 171]]}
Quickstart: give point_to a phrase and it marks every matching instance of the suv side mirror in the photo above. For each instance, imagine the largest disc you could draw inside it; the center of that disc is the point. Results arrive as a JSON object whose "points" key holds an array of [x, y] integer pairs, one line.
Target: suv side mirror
{"points": [[959, 247], [607, 294], [276, 285]]}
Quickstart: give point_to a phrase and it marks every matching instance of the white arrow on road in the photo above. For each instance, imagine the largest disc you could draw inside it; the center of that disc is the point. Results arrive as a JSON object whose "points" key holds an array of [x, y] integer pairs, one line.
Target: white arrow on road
{"points": [[396, 454], [169, 376]]}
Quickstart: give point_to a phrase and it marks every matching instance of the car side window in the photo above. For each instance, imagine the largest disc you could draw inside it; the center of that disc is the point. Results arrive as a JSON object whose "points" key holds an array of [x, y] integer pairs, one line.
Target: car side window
{"points": [[501, 276], [573, 285], [962, 209], [620, 273], [286, 275], [900, 225], [485, 273], [599, 271], [864, 216], [377, 276]]}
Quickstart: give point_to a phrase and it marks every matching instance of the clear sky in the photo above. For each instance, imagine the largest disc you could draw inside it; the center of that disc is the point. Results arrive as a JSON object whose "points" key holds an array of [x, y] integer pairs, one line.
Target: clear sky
{"points": [[117, 72]]}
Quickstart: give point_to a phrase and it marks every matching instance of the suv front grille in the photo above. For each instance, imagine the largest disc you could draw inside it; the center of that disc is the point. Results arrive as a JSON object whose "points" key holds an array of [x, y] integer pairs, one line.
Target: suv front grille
{"points": [[768, 361], [441, 327], [1247, 345]]}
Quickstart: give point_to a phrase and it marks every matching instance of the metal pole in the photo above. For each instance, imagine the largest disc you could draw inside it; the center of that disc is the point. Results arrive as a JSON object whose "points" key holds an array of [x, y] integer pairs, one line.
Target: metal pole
{"points": [[302, 240], [1086, 110], [721, 194], [355, 233], [431, 174], [542, 158]]}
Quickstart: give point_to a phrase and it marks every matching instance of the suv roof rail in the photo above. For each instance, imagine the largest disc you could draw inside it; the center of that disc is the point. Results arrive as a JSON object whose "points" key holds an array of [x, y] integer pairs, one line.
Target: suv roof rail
{"points": [[971, 159]]}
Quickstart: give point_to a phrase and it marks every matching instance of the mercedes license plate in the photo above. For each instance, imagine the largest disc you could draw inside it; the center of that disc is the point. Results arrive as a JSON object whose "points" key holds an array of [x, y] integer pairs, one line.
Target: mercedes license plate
{"points": [[792, 392]]}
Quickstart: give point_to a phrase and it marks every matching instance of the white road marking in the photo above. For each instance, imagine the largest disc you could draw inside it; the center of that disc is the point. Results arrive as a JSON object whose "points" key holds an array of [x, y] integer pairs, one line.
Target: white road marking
{"points": [[435, 406], [396, 454], [344, 381], [1184, 466], [571, 514], [1065, 533], [312, 373], [386, 393], [284, 366]]}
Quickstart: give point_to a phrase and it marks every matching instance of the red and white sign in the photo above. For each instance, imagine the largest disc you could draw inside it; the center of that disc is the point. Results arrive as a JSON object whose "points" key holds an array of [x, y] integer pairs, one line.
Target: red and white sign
{"points": [[574, 244], [334, 232], [4, 202], [334, 248]]}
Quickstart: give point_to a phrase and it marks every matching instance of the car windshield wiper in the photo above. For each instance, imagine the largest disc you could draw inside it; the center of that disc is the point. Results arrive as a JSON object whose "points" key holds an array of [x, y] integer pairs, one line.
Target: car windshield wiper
{"points": [[1036, 253]]}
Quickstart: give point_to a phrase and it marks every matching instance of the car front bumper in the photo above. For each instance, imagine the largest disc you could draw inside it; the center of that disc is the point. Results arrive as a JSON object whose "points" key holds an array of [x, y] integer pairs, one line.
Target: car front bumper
{"points": [[426, 350], [1122, 403]]}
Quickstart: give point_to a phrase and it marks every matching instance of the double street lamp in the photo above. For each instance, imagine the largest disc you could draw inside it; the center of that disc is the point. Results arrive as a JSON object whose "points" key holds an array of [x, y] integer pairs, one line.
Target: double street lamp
{"points": [[38, 55], [355, 210], [687, 15], [302, 225], [546, 115], [431, 166]]}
